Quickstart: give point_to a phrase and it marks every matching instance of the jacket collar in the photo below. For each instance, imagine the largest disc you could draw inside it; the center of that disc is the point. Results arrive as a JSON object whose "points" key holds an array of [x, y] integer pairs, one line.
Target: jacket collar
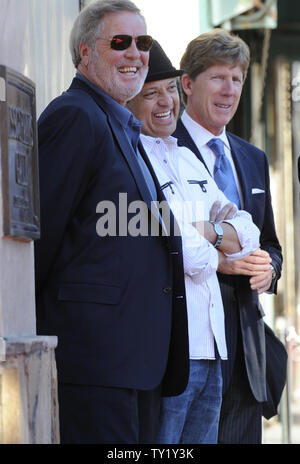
{"points": [[124, 144]]}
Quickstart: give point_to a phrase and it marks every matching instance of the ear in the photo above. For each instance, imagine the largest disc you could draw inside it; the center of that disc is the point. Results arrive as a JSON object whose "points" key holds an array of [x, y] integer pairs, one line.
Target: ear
{"points": [[85, 53], [186, 83]]}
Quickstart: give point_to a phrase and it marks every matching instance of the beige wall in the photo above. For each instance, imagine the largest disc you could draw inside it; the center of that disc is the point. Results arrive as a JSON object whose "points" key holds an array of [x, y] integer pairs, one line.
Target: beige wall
{"points": [[173, 23], [34, 41]]}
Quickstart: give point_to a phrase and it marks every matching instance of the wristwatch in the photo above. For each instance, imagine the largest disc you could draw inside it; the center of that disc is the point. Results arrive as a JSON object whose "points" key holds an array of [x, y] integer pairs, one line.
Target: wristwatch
{"points": [[273, 272], [219, 231]]}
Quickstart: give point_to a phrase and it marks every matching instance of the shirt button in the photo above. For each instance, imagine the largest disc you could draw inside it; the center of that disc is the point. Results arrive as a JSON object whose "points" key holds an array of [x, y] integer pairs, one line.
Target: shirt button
{"points": [[167, 289], [158, 142], [165, 161]]}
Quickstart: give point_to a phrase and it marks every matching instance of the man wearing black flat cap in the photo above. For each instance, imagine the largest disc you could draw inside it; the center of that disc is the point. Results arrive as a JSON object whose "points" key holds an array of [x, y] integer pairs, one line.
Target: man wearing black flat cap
{"points": [[210, 228]]}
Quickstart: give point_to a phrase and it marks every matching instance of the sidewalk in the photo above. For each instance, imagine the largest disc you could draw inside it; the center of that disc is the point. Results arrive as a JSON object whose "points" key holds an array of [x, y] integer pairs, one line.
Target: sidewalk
{"points": [[274, 432]]}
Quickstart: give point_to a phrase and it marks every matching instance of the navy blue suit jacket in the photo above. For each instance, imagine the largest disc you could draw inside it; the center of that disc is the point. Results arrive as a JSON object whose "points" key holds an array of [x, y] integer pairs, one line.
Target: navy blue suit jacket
{"points": [[253, 172], [116, 303]]}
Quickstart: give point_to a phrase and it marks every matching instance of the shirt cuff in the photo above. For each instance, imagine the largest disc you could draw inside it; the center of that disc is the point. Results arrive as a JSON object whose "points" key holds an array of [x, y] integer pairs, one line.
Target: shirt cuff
{"points": [[248, 234], [199, 256]]}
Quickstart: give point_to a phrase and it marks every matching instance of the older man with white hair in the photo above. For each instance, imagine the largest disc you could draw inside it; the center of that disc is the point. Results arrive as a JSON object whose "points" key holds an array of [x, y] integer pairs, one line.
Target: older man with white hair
{"points": [[113, 300]]}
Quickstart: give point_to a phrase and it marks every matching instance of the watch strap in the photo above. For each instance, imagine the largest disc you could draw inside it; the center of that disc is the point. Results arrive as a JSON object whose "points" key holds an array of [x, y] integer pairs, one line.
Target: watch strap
{"points": [[219, 231]]}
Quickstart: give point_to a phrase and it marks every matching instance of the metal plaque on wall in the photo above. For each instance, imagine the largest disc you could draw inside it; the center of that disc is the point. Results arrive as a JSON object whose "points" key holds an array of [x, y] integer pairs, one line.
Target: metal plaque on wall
{"points": [[19, 156]]}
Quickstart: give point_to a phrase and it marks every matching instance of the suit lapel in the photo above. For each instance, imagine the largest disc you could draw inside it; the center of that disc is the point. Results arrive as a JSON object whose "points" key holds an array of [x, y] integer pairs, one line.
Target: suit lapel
{"points": [[185, 140], [240, 158], [129, 154], [121, 139], [131, 159], [160, 196]]}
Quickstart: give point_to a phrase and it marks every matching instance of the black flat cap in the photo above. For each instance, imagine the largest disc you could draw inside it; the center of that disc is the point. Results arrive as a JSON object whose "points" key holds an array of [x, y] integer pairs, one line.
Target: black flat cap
{"points": [[160, 67]]}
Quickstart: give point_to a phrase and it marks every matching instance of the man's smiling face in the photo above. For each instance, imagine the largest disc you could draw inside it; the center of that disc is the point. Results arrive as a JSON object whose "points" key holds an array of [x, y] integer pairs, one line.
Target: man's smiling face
{"points": [[213, 97], [157, 106], [119, 73]]}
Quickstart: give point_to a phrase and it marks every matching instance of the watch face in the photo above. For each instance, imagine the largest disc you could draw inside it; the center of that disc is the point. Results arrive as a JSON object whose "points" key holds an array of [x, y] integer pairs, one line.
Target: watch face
{"points": [[218, 229]]}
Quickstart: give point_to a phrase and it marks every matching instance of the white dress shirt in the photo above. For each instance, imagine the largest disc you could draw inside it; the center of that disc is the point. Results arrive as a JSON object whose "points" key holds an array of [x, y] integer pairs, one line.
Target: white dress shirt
{"points": [[201, 136], [190, 192]]}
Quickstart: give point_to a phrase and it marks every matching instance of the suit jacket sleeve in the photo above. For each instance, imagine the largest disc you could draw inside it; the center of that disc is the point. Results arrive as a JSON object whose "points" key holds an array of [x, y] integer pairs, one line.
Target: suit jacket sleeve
{"points": [[269, 241], [66, 146]]}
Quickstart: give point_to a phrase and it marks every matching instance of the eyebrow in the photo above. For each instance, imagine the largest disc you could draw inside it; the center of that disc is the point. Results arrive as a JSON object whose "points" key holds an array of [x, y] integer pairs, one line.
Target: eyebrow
{"points": [[150, 88], [156, 86]]}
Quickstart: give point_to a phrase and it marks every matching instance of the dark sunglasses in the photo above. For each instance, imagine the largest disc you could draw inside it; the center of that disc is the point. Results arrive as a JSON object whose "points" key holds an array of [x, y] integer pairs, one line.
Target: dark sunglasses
{"points": [[123, 41]]}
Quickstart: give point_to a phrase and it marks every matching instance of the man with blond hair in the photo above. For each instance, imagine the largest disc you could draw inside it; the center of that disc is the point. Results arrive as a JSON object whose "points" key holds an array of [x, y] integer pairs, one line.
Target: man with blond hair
{"points": [[215, 66]]}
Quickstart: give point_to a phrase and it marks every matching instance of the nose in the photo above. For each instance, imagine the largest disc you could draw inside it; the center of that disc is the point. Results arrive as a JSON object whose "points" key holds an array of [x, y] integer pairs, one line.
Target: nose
{"points": [[165, 99], [228, 87], [132, 52]]}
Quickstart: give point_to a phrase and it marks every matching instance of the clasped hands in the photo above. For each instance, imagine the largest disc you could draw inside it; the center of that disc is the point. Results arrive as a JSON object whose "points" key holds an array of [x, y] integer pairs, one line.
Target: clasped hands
{"points": [[257, 265]]}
